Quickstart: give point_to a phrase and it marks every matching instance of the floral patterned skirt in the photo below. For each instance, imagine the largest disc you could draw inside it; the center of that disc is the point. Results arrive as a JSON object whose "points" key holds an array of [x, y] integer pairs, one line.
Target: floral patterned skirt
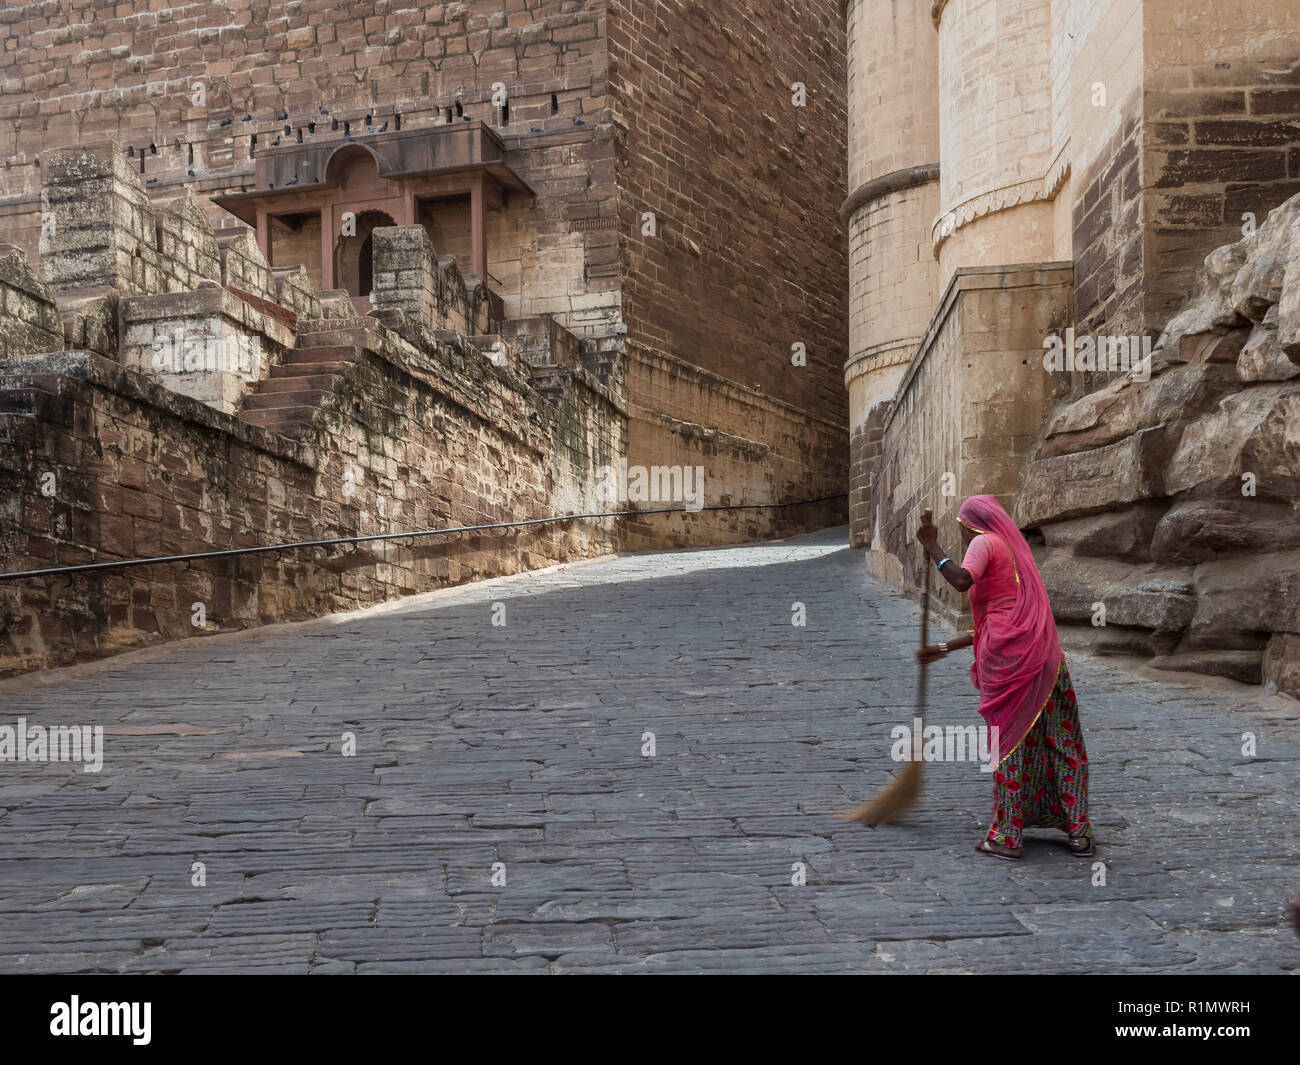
{"points": [[1043, 783]]}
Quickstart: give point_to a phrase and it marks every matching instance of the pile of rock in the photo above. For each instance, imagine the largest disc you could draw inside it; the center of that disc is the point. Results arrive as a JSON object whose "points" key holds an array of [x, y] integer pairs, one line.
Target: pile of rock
{"points": [[1168, 506]]}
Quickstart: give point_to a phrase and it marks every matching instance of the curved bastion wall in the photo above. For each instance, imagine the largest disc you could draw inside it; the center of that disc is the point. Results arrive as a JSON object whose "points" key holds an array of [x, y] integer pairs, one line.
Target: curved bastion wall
{"points": [[893, 196]]}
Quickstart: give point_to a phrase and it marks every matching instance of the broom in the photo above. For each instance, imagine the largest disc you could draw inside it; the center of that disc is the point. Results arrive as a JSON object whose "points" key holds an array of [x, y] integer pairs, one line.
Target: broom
{"points": [[905, 788]]}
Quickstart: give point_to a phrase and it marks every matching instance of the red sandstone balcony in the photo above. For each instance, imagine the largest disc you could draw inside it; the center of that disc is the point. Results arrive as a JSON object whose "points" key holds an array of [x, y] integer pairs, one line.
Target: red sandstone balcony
{"points": [[316, 204]]}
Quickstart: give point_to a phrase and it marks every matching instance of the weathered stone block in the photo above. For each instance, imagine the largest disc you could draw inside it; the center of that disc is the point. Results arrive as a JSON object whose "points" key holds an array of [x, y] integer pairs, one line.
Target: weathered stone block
{"points": [[1258, 284], [1196, 531], [1125, 407], [1245, 666], [1254, 593], [1085, 482], [98, 226], [29, 317], [1288, 325], [1124, 534], [1137, 597], [1251, 439], [1281, 665], [1262, 359], [293, 289], [187, 247], [90, 321], [243, 266]]}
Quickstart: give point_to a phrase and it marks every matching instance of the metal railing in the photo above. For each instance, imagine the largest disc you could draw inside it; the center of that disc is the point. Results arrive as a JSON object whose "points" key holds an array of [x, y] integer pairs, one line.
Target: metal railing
{"points": [[89, 567]]}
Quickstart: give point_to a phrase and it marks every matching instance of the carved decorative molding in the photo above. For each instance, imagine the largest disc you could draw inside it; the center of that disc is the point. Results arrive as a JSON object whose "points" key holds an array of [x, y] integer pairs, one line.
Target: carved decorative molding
{"points": [[895, 181], [880, 357], [986, 203]]}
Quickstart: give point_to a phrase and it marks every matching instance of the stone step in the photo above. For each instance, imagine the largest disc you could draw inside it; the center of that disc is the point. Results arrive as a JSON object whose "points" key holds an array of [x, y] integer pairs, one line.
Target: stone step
{"points": [[287, 421], [322, 353], [307, 397], [334, 337], [298, 382], [324, 325], [299, 370]]}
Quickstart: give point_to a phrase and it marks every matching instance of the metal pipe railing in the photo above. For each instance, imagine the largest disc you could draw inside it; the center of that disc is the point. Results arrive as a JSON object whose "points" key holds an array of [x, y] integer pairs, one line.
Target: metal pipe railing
{"points": [[266, 549]]}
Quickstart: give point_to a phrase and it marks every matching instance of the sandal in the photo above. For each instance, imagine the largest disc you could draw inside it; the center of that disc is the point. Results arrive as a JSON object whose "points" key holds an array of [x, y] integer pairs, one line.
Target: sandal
{"points": [[998, 851], [1082, 846]]}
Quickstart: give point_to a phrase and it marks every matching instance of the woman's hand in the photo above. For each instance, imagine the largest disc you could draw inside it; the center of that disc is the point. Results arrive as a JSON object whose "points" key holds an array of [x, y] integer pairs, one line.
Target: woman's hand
{"points": [[926, 655], [928, 534]]}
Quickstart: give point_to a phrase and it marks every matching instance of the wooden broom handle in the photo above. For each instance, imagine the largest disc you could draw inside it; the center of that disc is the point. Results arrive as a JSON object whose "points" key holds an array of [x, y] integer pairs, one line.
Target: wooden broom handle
{"points": [[925, 636], [927, 519]]}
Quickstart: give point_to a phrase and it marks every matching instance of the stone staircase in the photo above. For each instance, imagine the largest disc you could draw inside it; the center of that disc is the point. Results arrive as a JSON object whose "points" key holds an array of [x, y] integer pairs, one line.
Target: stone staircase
{"points": [[286, 402]]}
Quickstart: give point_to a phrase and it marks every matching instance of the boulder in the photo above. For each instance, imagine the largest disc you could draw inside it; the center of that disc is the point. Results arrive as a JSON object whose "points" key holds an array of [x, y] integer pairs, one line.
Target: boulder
{"points": [[1197, 640], [1106, 640], [1245, 666], [1257, 285], [1200, 530], [1066, 486], [1251, 442], [1124, 407], [1142, 597], [1122, 534], [1262, 358], [1212, 306], [1281, 666], [1242, 281], [1288, 308], [1255, 593]]}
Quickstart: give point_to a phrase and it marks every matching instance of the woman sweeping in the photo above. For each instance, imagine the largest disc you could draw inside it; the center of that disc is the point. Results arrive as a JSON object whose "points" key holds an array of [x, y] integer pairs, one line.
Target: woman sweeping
{"points": [[1026, 698]]}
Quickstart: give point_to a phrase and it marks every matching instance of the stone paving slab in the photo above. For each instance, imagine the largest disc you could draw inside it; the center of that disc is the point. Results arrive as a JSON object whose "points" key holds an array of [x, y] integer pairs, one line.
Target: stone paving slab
{"points": [[516, 751]]}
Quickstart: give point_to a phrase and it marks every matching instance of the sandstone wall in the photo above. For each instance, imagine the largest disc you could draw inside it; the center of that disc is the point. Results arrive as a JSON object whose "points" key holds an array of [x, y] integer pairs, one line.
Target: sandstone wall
{"points": [[260, 412], [966, 417], [754, 449], [893, 145], [411, 438], [747, 256], [1221, 102], [1172, 503], [1103, 93], [172, 83], [27, 308], [1000, 165], [209, 344]]}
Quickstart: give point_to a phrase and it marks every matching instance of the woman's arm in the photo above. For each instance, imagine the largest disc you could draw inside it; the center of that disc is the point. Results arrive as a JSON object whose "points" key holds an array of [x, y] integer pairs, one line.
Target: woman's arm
{"points": [[934, 652], [928, 534]]}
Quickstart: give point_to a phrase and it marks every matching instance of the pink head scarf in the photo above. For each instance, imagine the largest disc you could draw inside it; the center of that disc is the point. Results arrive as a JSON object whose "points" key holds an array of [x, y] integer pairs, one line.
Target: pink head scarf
{"points": [[1017, 653]]}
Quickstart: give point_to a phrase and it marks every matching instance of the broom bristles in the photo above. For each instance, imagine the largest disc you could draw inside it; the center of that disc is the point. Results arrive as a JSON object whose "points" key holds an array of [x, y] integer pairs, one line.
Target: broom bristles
{"points": [[891, 802], [906, 787]]}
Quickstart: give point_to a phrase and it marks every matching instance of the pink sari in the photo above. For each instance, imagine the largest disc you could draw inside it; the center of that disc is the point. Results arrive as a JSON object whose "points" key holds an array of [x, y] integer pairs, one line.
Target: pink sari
{"points": [[1017, 654]]}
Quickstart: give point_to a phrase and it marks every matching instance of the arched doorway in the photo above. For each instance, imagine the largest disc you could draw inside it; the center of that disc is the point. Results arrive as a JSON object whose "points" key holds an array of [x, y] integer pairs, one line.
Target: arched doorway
{"points": [[354, 257]]}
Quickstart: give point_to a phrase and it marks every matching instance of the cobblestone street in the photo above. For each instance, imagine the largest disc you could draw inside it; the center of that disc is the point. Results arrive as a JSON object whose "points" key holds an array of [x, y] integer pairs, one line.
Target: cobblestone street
{"points": [[521, 744]]}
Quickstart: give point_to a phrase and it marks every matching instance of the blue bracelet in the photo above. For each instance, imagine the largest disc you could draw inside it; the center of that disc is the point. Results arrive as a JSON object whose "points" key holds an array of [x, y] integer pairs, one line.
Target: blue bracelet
{"points": [[941, 562]]}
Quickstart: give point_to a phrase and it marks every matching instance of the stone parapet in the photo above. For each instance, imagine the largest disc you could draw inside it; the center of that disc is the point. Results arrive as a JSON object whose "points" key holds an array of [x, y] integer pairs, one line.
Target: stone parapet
{"points": [[966, 413], [29, 317]]}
